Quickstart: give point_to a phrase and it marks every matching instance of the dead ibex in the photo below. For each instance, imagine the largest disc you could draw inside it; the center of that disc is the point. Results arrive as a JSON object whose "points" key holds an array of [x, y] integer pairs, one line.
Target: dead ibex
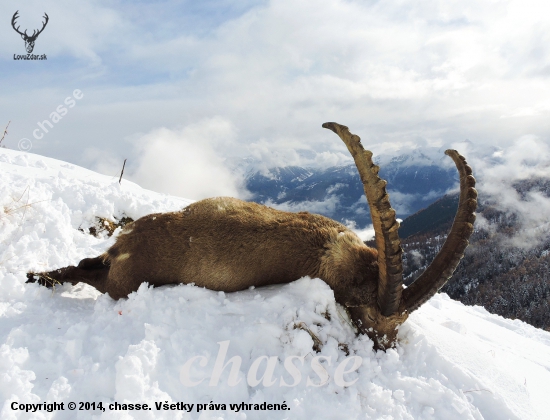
{"points": [[227, 244]]}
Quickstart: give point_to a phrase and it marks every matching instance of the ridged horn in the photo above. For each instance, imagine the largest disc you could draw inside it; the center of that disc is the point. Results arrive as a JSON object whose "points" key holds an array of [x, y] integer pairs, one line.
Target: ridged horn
{"points": [[390, 283], [444, 264]]}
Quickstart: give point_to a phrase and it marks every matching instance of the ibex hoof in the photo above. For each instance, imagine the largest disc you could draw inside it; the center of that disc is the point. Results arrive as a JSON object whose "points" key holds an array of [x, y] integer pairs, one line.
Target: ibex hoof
{"points": [[40, 279]]}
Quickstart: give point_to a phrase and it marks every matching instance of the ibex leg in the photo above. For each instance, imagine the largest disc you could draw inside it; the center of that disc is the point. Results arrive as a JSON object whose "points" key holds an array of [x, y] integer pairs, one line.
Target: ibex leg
{"points": [[91, 271]]}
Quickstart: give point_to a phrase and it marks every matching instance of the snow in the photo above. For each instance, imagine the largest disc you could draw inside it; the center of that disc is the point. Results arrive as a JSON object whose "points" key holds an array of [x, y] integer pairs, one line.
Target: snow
{"points": [[76, 345]]}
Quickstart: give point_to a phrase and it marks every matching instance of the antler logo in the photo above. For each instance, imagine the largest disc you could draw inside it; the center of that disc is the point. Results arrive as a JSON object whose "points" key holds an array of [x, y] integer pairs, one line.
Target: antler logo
{"points": [[29, 40]]}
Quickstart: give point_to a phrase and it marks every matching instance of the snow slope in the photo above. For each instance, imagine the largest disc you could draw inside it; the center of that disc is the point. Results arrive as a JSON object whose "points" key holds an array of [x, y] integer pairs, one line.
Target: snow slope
{"points": [[75, 345]]}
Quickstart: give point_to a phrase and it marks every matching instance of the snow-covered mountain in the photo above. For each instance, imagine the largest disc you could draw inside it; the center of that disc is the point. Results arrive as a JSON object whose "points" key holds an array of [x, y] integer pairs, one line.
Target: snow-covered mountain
{"points": [[75, 345], [415, 180]]}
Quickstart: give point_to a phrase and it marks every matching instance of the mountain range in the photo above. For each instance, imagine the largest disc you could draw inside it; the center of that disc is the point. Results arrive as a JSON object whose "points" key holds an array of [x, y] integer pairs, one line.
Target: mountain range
{"points": [[505, 275], [415, 180]]}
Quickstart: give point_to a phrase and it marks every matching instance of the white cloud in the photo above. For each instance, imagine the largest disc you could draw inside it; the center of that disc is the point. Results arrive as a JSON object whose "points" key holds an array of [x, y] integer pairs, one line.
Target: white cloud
{"points": [[401, 202], [365, 234], [185, 162], [268, 155], [397, 73], [527, 158], [327, 206], [83, 32]]}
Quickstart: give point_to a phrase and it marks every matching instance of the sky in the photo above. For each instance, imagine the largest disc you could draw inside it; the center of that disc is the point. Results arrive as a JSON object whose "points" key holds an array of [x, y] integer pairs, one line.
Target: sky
{"points": [[180, 88]]}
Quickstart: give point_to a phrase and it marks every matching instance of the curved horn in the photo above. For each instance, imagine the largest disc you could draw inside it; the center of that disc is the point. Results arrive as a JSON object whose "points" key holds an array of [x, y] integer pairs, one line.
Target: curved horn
{"points": [[390, 283], [444, 264]]}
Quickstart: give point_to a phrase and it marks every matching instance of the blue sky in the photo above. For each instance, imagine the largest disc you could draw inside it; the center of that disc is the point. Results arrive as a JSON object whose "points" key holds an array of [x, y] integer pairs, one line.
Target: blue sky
{"points": [[178, 86]]}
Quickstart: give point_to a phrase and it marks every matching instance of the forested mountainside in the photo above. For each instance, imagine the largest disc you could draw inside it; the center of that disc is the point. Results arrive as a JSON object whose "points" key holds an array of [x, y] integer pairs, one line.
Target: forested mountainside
{"points": [[506, 275]]}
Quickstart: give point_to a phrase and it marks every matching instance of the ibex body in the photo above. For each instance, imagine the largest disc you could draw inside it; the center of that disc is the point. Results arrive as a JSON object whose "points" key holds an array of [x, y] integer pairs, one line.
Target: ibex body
{"points": [[228, 244]]}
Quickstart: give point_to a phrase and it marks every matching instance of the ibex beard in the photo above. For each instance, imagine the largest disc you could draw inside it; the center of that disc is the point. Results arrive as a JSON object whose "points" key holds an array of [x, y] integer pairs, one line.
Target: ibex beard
{"points": [[229, 245]]}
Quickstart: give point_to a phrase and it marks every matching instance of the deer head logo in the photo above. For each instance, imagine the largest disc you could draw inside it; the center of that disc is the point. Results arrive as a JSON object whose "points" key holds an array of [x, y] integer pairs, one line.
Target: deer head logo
{"points": [[29, 40]]}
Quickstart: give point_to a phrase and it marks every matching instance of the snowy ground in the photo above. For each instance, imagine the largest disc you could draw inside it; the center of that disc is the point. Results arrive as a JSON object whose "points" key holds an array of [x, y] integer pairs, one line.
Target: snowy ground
{"points": [[75, 345]]}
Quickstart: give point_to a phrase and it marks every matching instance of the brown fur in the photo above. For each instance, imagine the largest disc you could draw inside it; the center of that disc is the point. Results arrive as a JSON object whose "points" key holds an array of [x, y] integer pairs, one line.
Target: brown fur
{"points": [[228, 244]]}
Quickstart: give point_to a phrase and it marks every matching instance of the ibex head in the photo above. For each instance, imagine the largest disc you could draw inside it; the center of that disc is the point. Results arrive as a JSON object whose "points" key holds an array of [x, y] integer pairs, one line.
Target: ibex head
{"points": [[228, 244], [29, 40], [393, 302]]}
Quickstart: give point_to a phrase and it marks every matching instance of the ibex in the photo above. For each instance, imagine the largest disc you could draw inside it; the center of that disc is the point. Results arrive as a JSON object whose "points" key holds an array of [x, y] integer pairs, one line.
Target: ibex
{"points": [[228, 244], [29, 40]]}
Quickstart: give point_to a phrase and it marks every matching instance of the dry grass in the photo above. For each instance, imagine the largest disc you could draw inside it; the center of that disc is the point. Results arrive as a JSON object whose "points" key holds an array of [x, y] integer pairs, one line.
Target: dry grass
{"points": [[46, 280], [317, 344], [19, 204], [4, 135], [103, 226]]}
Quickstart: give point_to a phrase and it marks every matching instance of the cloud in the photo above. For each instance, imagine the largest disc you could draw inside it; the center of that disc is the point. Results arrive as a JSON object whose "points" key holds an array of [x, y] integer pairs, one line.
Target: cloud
{"points": [[81, 33], [527, 158], [397, 73], [268, 155], [327, 206], [187, 162], [365, 234], [401, 202], [417, 257]]}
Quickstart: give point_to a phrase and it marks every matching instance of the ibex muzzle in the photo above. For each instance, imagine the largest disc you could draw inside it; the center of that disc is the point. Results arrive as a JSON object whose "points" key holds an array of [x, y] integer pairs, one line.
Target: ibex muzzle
{"points": [[228, 244]]}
